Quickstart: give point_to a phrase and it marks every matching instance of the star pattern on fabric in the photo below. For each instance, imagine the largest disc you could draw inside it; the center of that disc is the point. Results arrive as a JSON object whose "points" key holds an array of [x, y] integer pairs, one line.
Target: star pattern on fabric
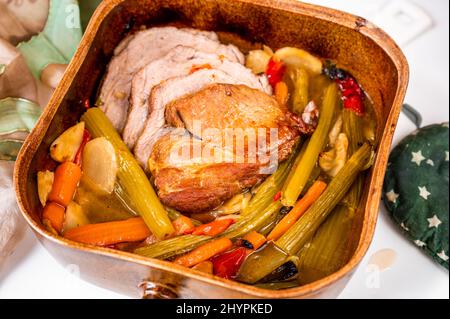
{"points": [[392, 196], [434, 222], [424, 193], [443, 255], [414, 203], [419, 243], [417, 157]]}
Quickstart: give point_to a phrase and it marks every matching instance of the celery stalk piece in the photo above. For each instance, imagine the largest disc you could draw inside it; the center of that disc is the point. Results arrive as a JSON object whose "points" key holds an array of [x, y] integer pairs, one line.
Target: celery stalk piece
{"points": [[173, 214], [300, 97], [298, 178], [353, 127], [256, 266], [185, 243], [328, 250], [172, 246], [256, 223], [303, 230], [133, 184], [260, 208]]}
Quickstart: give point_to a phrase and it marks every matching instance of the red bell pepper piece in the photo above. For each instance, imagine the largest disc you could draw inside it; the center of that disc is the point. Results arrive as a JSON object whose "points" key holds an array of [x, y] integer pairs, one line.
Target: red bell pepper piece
{"points": [[87, 104], [277, 196], [227, 264], [275, 72], [213, 228], [86, 138], [351, 92], [352, 95]]}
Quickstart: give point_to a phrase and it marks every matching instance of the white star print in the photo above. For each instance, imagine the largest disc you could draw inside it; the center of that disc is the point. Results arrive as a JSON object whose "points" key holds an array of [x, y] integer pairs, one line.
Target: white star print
{"points": [[392, 196], [404, 227], [423, 192], [443, 255], [417, 157], [430, 162], [419, 243], [433, 222]]}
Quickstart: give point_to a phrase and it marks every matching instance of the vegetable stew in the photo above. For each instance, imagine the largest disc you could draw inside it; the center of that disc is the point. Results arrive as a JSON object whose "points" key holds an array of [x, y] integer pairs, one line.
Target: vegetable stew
{"points": [[280, 221]]}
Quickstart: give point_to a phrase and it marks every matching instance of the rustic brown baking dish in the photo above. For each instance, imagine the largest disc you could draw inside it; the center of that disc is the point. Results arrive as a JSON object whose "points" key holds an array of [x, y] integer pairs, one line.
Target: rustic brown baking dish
{"points": [[358, 45]]}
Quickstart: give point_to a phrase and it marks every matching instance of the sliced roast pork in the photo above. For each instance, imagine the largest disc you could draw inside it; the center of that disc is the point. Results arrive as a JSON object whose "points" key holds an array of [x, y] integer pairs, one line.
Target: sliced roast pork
{"points": [[145, 46], [222, 106], [191, 181], [180, 61], [176, 88], [193, 184]]}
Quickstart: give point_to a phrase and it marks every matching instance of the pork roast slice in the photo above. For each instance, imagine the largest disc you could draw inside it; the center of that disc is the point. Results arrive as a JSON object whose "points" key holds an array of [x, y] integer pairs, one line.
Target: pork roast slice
{"points": [[180, 61], [193, 184], [197, 181], [138, 50], [176, 88], [221, 106]]}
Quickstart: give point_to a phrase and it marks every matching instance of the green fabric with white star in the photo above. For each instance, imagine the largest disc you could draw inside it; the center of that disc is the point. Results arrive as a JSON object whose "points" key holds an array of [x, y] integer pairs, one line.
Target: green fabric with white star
{"points": [[415, 189]]}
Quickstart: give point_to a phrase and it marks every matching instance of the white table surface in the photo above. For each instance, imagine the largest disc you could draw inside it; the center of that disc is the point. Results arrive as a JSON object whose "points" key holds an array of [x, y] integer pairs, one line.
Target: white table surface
{"points": [[32, 273]]}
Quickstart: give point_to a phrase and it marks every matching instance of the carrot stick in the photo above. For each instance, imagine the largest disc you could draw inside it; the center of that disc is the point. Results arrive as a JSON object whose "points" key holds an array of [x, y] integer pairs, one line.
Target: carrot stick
{"points": [[204, 266], [183, 225], [54, 214], [300, 207], [281, 92], [204, 252], [213, 228], [110, 233], [67, 176], [255, 238]]}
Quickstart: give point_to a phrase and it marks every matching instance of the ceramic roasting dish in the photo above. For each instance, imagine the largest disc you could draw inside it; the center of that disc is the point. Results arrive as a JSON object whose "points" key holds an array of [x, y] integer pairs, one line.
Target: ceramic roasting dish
{"points": [[359, 46]]}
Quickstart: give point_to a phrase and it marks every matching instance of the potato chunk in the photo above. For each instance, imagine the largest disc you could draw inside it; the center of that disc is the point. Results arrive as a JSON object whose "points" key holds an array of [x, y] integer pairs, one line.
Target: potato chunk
{"points": [[44, 184], [100, 163], [66, 146]]}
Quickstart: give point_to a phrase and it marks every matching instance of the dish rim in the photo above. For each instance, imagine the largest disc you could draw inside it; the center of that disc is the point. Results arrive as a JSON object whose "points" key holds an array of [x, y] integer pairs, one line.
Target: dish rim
{"points": [[371, 205]]}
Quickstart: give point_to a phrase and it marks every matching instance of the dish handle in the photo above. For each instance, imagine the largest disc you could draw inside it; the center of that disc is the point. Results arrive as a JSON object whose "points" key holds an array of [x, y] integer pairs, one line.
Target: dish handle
{"points": [[153, 290]]}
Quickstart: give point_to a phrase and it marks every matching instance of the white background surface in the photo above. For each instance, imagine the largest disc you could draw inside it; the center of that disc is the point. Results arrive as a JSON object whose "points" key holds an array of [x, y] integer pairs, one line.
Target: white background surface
{"points": [[32, 273]]}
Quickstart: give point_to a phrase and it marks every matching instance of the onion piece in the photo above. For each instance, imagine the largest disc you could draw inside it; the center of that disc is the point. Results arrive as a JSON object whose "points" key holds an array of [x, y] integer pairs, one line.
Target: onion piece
{"points": [[100, 163], [298, 58]]}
